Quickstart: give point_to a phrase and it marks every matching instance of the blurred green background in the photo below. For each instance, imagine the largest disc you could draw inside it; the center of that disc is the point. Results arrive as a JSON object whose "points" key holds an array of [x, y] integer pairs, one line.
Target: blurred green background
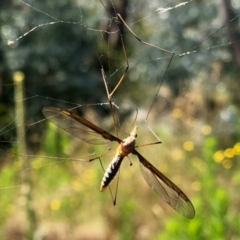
{"points": [[46, 191]]}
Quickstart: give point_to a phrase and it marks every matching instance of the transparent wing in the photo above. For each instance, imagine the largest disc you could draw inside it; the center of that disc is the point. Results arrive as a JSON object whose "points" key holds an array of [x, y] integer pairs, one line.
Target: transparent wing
{"points": [[165, 188], [77, 126]]}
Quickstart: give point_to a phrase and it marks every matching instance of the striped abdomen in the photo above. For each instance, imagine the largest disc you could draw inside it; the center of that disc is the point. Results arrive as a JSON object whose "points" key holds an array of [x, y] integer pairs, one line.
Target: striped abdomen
{"points": [[111, 171]]}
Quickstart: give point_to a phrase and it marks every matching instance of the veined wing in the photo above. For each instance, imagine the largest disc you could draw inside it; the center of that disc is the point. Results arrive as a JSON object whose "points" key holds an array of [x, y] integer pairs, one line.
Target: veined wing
{"points": [[78, 126], [166, 188]]}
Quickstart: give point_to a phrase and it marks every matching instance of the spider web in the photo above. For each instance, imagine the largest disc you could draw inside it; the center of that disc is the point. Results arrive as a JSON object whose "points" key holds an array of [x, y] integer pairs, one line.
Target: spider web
{"points": [[198, 38]]}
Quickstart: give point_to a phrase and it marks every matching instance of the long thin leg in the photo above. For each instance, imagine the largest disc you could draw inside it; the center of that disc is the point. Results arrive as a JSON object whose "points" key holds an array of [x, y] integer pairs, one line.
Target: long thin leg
{"points": [[149, 44], [109, 187]]}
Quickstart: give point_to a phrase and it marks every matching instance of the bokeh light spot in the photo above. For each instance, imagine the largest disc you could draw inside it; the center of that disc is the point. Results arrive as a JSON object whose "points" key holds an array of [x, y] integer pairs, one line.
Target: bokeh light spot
{"points": [[227, 163], [177, 154], [196, 186], [237, 148], [37, 164], [177, 113], [229, 153], [188, 146], [76, 185], [55, 205], [18, 76], [218, 156], [206, 129]]}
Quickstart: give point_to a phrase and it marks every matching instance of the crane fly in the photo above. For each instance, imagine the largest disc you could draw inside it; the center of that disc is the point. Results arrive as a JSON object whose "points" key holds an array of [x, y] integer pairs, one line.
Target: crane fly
{"points": [[90, 133]]}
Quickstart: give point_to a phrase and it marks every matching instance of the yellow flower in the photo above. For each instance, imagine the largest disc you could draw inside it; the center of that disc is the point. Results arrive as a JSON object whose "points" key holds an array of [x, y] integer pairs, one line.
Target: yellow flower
{"points": [[55, 205], [188, 146], [227, 163], [177, 154], [76, 185], [237, 148], [229, 153], [206, 129], [218, 156]]}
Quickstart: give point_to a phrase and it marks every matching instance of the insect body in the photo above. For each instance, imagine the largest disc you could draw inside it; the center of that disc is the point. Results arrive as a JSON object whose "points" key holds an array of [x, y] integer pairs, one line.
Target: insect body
{"points": [[90, 133], [126, 146]]}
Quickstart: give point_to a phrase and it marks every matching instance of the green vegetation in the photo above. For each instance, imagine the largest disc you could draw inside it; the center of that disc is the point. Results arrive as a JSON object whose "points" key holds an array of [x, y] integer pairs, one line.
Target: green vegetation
{"points": [[66, 192], [51, 191]]}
